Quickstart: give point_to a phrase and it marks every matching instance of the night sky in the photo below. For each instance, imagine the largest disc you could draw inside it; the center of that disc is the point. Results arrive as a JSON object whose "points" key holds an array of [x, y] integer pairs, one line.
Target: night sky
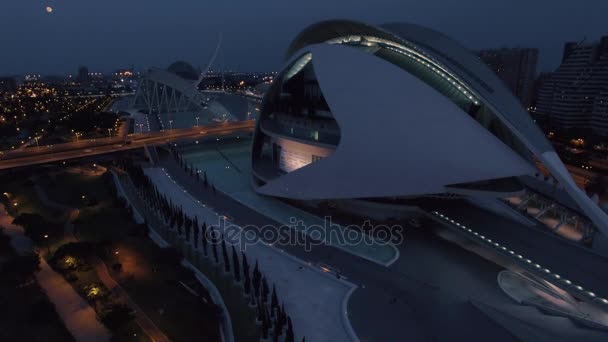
{"points": [[109, 34]]}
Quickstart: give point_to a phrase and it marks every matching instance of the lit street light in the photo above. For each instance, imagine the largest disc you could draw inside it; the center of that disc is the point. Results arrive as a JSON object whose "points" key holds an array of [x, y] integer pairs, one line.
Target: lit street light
{"points": [[197, 121], [48, 246], [170, 124]]}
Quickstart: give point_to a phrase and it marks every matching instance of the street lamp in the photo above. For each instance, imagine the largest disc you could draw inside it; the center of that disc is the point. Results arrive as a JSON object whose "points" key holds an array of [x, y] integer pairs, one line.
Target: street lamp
{"points": [[37, 145], [48, 247], [197, 121], [110, 132], [170, 124]]}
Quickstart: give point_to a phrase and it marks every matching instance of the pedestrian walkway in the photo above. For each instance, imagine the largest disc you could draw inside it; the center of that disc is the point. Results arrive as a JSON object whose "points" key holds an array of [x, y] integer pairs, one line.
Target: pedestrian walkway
{"points": [[144, 322], [228, 168], [316, 300], [78, 316]]}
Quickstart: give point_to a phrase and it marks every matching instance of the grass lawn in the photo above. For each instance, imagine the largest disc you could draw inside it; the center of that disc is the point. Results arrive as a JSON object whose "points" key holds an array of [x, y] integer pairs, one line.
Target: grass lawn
{"points": [[25, 311], [69, 188], [151, 282], [21, 191], [156, 285]]}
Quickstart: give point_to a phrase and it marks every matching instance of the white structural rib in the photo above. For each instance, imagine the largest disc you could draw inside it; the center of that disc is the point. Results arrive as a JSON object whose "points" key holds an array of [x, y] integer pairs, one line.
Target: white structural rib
{"points": [[204, 72]]}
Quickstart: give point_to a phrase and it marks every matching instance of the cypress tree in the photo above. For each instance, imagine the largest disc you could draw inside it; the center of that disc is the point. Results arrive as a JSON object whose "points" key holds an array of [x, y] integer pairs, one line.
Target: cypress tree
{"points": [[289, 335], [265, 290], [214, 245], [235, 265], [256, 276], [245, 266], [248, 284], [265, 323], [274, 301], [225, 255], [260, 312], [204, 238], [282, 315], [278, 330]]}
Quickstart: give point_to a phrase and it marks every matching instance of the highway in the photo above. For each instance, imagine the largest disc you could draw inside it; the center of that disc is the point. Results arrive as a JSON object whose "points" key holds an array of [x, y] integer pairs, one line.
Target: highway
{"points": [[86, 148]]}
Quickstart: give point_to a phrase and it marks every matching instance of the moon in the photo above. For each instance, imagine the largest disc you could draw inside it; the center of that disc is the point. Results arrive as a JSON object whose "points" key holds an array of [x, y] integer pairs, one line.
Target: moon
{"points": [[49, 9]]}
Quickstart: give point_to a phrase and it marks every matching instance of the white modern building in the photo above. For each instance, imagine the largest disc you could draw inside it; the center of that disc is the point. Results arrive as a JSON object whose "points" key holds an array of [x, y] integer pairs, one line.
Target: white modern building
{"points": [[395, 112], [172, 97]]}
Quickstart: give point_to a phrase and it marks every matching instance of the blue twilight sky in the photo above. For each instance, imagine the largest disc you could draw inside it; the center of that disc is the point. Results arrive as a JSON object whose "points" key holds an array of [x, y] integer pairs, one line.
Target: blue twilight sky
{"points": [[110, 34]]}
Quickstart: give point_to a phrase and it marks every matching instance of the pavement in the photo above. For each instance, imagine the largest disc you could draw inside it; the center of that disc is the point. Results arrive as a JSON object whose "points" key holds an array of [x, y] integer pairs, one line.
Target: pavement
{"points": [[314, 299], [570, 260], [422, 295], [228, 167], [435, 291], [78, 316]]}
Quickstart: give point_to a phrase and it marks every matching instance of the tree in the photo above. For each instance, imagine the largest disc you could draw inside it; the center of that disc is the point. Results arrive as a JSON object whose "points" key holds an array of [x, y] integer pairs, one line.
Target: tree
{"points": [[247, 286], [245, 265], [214, 245], [204, 238], [20, 268], [257, 275], [265, 323], [260, 312], [235, 265], [274, 302], [225, 255], [196, 229], [205, 183], [282, 315], [265, 290], [278, 330], [289, 335], [36, 227]]}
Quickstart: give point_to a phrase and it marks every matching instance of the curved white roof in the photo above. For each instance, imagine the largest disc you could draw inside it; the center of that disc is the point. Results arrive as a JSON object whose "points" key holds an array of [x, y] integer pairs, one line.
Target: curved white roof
{"points": [[476, 74], [400, 136]]}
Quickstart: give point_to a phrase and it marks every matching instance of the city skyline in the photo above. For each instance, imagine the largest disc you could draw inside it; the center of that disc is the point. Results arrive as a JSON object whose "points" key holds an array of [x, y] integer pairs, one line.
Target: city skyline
{"points": [[111, 35]]}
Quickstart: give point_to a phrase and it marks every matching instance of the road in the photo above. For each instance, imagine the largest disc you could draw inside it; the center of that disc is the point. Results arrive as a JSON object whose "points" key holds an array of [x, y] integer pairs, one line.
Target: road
{"points": [[86, 148], [432, 292]]}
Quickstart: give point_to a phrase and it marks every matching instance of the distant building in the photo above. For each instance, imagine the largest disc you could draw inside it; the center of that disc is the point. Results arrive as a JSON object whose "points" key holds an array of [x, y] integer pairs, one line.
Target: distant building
{"points": [[516, 67], [83, 74], [8, 84], [575, 96]]}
